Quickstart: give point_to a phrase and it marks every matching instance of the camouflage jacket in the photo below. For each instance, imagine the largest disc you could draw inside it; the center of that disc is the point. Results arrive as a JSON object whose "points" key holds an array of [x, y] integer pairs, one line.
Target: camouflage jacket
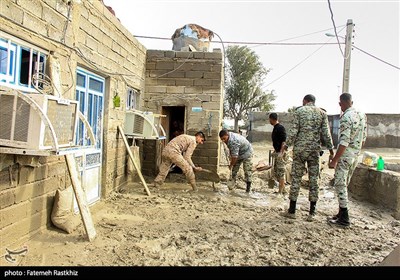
{"points": [[310, 127], [182, 144], [353, 131], [239, 146]]}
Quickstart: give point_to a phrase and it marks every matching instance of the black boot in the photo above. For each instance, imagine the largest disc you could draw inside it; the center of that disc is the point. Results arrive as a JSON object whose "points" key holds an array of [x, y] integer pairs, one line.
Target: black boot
{"points": [[313, 205], [343, 218], [312, 212], [336, 216], [292, 207], [248, 186], [291, 213]]}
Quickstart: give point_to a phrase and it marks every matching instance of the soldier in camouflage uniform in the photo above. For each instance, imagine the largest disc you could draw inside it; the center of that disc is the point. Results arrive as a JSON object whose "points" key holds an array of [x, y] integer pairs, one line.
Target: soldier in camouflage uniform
{"points": [[241, 151], [353, 133], [179, 151], [310, 124]]}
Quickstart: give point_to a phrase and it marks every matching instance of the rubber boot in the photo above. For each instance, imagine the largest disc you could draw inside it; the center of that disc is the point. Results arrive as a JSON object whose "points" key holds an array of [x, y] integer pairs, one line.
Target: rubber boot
{"points": [[292, 207], [335, 217], [343, 219], [291, 213], [248, 187], [312, 212], [313, 205]]}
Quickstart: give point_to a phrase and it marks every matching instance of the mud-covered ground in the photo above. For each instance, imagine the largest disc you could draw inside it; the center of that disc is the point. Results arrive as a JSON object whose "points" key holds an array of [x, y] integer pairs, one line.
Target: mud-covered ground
{"points": [[218, 227]]}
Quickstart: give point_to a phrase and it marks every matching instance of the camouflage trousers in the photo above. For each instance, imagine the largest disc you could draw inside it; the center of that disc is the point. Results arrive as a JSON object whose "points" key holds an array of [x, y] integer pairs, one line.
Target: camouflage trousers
{"points": [[300, 158], [167, 160], [247, 168], [279, 167], [343, 172]]}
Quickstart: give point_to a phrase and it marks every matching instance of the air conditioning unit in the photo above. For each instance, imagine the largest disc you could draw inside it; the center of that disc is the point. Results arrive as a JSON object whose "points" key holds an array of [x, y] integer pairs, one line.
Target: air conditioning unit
{"points": [[140, 124], [22, 125]]}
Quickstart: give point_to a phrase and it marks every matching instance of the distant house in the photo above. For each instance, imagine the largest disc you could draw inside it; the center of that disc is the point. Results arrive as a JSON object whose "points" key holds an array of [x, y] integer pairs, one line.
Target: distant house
{"points": [[383, 129]]}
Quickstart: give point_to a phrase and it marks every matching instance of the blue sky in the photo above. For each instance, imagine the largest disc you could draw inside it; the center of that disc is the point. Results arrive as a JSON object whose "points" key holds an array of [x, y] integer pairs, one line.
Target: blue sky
{"points": [[295, 70]]}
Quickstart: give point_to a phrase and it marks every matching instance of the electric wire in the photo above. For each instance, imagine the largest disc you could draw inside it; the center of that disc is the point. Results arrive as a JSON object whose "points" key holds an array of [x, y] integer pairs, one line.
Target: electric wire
{"points": [[367, 53], [334, 27], [169, 72], [294, 67], [300, 36], [298, 64], [277, 43], [66, 23], [241, 42], [79, 52]]}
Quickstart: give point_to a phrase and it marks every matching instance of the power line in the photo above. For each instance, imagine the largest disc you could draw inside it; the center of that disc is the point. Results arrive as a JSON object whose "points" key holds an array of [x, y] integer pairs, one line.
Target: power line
{"points": [[276, 43], [249, 43], [298, 64], [169, 72], [334, 27], [301, 36], [243, 43], [367, 53]]}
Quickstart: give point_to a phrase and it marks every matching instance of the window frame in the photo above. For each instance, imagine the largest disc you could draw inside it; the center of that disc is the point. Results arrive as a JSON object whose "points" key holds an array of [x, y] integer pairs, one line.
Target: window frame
{"points": [[15, 48], [132, 99], [91, 106]]}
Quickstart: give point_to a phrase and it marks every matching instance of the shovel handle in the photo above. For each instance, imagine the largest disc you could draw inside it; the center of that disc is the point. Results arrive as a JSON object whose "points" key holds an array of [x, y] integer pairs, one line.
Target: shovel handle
{"points": [[206, 170]]}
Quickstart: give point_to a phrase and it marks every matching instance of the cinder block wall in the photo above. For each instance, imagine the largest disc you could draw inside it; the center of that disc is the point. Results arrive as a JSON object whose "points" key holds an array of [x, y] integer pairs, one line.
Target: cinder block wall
{"points": [[190, 79], [94, 39], [27, 189], [260, 129], [378, 187], [383, 130]]}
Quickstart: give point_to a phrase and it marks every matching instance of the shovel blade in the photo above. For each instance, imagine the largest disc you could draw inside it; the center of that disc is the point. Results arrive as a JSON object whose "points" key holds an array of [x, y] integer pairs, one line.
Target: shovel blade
{"points": [[212, 176], [230, 184]]}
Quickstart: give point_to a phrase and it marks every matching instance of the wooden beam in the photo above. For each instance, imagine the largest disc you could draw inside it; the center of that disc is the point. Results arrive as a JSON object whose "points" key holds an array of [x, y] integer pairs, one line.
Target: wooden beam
{"points": [[80, 197], [133, 161]]}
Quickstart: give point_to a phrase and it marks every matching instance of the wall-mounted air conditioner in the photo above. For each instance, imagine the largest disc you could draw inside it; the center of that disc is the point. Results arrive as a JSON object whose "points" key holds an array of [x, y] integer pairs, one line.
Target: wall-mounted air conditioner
{"points": [[143, 125], [25, 117]]}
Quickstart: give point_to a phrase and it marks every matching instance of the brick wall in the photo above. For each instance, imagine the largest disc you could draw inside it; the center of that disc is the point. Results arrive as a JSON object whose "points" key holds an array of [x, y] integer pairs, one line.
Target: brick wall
{"points": [[383, 130], [189, 79], [27, 187], [378, 187], [259, 128], [95, 40]]}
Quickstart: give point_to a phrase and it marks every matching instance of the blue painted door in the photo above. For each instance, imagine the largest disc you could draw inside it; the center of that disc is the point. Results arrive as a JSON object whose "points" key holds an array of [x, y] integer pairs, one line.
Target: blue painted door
{"points": [[90, 92]]}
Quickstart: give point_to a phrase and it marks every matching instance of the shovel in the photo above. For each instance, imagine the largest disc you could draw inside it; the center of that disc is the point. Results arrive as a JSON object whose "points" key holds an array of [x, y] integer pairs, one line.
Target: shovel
{"points": [[231, 182], [214, 177]]}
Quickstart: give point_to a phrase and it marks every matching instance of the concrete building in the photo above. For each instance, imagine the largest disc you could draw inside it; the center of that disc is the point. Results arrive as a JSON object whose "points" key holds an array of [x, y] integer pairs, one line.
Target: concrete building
{"points": [[185, 87], [91, 57]]}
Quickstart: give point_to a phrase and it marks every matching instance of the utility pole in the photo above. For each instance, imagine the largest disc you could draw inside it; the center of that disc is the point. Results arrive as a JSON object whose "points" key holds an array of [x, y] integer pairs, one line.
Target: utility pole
{"points": [[347, 56]]}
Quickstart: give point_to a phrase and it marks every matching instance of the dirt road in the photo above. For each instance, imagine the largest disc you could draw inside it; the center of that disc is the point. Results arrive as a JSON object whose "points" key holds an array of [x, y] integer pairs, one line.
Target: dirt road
{"points": [[218, 227]]}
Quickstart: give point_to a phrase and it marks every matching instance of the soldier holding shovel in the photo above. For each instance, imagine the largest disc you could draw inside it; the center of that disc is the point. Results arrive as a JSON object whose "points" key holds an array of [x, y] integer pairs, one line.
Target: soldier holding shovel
{"points": [[179, 151], [241, 151]]}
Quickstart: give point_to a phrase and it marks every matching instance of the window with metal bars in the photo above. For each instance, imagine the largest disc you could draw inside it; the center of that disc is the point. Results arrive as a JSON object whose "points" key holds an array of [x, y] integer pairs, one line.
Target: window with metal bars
{"points": [[19, 62]]}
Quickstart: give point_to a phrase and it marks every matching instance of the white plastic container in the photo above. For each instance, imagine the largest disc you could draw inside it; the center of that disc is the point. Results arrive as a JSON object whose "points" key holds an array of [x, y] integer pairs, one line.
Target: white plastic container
{"points": [[369, 159]]}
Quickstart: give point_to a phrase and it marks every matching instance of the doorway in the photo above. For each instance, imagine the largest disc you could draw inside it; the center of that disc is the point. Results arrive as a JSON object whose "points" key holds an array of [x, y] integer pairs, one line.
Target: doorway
{"points": [[174, 124], [90, 90]]}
